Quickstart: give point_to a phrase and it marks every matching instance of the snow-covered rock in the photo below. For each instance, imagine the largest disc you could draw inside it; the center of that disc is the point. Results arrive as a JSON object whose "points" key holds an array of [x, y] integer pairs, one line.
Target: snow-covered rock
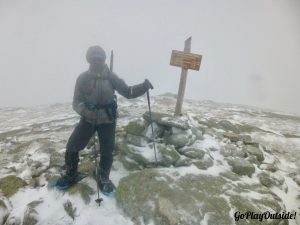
{"points": [[242, 167], [170, 197], [255, 152], [31, 216]]}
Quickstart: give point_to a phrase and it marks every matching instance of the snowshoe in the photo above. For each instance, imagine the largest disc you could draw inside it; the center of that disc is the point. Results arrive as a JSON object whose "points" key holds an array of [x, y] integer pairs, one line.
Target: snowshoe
{"points": [[67, 181], [107, 187]]}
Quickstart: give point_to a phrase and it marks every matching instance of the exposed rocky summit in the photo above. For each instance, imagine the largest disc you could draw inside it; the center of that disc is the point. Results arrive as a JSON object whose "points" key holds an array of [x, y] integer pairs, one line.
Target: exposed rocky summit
{"points": [[199, 168]]}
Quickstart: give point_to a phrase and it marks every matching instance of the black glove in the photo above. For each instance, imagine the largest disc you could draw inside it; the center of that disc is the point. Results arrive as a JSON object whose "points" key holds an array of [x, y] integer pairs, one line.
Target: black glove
{"points": [[147, 84]]}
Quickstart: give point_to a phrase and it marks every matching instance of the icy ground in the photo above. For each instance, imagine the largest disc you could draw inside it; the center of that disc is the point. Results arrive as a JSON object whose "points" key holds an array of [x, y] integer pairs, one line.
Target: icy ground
{"points": [[53, 125]]}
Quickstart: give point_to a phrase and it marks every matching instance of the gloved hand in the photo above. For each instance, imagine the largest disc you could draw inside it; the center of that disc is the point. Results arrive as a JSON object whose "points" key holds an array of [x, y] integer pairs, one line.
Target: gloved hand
{"points": [[91, 106], [147, 84]]}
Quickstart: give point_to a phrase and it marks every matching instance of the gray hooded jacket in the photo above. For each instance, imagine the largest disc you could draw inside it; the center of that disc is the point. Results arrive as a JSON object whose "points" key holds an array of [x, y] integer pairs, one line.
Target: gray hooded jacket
{"points": [[99, 89]]}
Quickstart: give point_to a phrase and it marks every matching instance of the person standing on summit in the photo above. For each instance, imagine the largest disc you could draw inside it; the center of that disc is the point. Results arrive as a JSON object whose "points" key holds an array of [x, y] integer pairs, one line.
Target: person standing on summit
{"points": [[94, 100]]}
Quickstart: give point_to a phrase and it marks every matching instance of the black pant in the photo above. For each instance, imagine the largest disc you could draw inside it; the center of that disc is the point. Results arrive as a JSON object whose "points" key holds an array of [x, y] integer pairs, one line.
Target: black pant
{"points": [[80, 138]]}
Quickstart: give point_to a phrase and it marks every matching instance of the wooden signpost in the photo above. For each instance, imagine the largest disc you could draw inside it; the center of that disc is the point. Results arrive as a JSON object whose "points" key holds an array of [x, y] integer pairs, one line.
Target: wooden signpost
{"points": [[185, 60]]}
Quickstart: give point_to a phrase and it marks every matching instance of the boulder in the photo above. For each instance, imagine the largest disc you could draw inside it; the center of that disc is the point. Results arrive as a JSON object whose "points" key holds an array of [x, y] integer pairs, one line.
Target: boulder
{"points": [[173, 122], [211, 123], [86, 166], [175, 130], [251, 150], [135, 140], [134, 127], [204, 163], [56, 159], [129, 163], [166, 120], [142, 156], [9, 185], [176, 199], [231, 136], [180, 140], [168, 155], [183, 161], [247, 128], [242, 167], [210, 131], [253, 143], [252, 159], [190, 199], [230, 175], [156, 116], [198, 132], [37, 171], [192, 152], [158, 131], [228, 126], [230, 150], [195, 154], [134, 157], [266, 180], [278, 179], [271, 167], [246, 139]]}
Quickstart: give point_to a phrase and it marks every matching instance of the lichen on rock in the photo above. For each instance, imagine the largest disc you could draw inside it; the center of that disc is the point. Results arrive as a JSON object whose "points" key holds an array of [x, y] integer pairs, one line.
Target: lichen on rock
{"points": [[9, 185]]}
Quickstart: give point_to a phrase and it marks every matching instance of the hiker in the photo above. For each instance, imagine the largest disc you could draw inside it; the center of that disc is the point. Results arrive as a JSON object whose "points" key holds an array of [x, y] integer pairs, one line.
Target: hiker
{"points": [[94, 100]]}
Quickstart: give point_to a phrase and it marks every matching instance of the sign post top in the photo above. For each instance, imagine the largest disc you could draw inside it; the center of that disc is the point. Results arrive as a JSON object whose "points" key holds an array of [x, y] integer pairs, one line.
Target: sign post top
{"points": [[187, 44]]}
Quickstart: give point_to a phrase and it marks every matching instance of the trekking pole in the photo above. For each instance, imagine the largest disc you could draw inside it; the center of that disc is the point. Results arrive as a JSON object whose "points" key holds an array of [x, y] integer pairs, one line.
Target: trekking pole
{"points": [[148, 98], [98, 200]]}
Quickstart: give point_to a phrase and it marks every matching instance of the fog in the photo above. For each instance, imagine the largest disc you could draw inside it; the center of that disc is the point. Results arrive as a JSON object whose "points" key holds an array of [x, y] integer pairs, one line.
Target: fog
{"points": [[251, 49]]}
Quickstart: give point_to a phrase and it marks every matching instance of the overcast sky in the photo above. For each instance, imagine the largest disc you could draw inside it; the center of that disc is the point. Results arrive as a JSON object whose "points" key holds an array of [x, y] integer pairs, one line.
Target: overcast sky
{"points": [[251, 49]]}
